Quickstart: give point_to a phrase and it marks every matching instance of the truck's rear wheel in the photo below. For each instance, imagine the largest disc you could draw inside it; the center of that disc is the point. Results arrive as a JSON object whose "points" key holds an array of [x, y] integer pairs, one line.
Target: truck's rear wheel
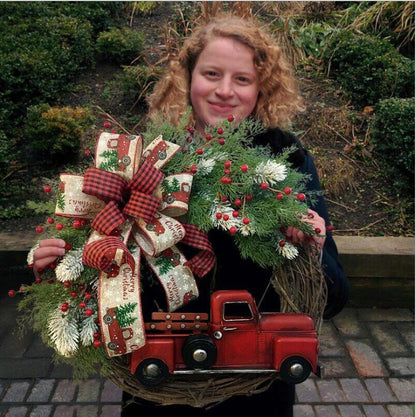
{"points": [[199, 351], [151, 372], [295, 370]]}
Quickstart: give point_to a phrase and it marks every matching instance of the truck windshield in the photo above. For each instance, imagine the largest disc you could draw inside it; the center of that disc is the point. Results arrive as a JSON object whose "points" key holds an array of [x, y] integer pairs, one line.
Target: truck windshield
{"points": [[237, 311]]}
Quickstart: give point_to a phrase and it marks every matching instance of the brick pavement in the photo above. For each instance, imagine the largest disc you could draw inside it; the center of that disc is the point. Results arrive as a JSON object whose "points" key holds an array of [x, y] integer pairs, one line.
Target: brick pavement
{"points": [[368, 356]]}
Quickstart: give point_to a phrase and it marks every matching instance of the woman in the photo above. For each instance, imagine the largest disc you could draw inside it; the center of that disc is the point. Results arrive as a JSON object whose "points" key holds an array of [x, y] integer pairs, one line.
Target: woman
{"points": [[231, 67]]}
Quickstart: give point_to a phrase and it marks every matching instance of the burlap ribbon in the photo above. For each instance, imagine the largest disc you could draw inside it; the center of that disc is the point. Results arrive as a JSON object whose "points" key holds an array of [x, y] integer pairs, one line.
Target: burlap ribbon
{"points": [[130, 219]]}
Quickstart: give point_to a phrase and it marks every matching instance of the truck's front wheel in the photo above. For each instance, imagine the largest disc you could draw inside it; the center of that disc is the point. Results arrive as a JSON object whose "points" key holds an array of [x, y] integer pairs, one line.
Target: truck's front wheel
{"points": [[295, 370], [152, 372], [199, 352]]}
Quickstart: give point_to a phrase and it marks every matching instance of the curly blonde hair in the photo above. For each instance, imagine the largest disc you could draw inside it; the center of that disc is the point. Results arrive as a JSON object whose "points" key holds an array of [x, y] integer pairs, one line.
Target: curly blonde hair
{"points": [[279, 98]]}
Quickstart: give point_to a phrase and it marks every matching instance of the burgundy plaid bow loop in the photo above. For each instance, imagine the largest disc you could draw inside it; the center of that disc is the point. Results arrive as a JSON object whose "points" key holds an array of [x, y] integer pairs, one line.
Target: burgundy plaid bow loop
{"points": [[135, 195]]}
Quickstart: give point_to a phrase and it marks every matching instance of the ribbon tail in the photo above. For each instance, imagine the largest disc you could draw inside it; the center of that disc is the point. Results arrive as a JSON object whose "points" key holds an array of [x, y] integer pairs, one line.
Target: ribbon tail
{"points": [[203, 261]]}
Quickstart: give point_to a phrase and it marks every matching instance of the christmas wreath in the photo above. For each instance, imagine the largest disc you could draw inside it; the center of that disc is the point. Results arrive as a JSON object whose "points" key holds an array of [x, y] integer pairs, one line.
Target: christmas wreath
{"points": [[122, 219]]}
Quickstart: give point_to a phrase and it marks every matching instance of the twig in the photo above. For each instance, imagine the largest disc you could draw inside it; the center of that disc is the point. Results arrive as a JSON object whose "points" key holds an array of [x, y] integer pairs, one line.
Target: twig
{"points": [[114, 121], [341, 205], [342, 137], [362, 228]]}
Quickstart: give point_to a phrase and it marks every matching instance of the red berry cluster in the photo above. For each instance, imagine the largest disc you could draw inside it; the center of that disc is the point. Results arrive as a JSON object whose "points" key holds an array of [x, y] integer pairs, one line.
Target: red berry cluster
{"points": [[209, 141]]}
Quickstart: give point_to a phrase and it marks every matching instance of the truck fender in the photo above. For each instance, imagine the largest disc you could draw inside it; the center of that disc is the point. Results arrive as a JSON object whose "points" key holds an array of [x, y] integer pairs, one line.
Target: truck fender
{"points": [[162, 349], [285, 347]]}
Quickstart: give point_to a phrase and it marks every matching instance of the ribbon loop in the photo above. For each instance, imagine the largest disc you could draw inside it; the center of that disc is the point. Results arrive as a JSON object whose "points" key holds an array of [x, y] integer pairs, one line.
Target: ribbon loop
{"points": [[146, 179], [104, 185], [108, 219]]}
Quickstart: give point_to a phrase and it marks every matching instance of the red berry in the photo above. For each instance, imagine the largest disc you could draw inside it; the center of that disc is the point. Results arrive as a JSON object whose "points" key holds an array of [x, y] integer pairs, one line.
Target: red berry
{"points": [[76, 224], [87, 152], [39, 229], [317, 230], [64, 307], [47, 188], [279, 196], [190, 129], [88, 312], [330, 228], [68, 246], [194, 169], [282, 243], [236, 213], [233, 230], [59, 226], [227, 172], [11, 293], [287, 190], [221, 141], [264, 186], [50, 220], [227, 164], [218, 216], [87, 295], [230, 118], [73, 294], [97, 343], [237, 202], [208, 136], [224, 180], [220, 130], [244, 168], [249, 197], [224, 199], [246, 220], [96, 335], [52, 266], [301, 197], [38, 280], [67, 284], [226, 217], [107, 124], [82, 305]]}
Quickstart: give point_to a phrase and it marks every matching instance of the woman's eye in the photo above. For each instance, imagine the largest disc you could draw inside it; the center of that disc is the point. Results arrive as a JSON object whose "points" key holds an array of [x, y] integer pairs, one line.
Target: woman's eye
{"points": [[244, 80], [211, 74]]}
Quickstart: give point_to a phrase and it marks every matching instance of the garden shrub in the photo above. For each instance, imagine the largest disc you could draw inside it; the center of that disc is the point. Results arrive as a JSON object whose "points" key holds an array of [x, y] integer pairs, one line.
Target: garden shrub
{"points": [[54, 133], [132, 86], [393, 135], [120, 45], [43, 46], [368, 69]]}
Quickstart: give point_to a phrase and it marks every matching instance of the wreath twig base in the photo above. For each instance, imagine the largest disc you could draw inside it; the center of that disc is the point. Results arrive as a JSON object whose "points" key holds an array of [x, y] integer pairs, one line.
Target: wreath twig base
{"points": [[193, 390]]}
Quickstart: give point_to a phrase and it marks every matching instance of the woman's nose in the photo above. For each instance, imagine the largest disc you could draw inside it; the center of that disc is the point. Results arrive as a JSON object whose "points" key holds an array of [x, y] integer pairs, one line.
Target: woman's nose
{"points": [[225, 87]]}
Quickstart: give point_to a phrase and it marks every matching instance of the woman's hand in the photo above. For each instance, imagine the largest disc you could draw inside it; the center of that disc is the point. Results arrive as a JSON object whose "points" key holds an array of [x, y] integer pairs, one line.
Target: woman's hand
{"points": [[296, 236], [46, 253]]}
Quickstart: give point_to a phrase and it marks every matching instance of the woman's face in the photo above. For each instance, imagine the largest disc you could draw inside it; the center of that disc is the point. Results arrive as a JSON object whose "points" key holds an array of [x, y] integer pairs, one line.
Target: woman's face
{"points": [[224, 82]]}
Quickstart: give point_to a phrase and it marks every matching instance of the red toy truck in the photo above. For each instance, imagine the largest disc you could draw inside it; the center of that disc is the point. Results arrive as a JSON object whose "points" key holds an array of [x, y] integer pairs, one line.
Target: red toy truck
{"points": [[237, 338]]}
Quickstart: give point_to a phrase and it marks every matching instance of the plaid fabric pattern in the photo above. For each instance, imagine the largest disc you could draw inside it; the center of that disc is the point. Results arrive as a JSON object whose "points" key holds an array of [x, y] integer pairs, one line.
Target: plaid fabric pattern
{"points": [[108, 219], [142, 205], [104, 185], [146, 179], [100, 253], [204, 261]]}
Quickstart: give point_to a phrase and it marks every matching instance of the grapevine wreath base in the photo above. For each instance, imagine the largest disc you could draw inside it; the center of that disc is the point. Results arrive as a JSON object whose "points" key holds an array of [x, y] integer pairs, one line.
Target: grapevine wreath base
{"points": [[194, 390], [244, 191]]}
